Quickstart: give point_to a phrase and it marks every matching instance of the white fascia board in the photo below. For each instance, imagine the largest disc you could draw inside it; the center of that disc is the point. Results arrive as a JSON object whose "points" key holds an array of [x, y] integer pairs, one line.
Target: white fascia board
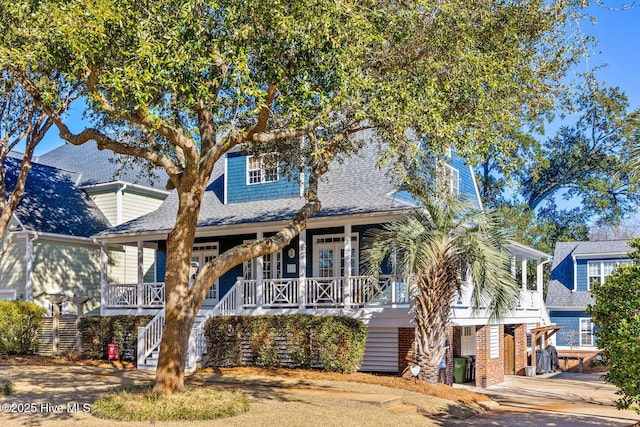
{"points": [[475, 187], [56, 237], [118, 184], [602, 255], [520, 249]]}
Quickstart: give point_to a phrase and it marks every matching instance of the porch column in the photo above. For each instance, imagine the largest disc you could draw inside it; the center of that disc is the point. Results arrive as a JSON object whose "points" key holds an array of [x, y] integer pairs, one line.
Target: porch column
{"points": [[104, 278], [347, 265], [259, 274], [140, 293], [302, 267], [524, 274]]}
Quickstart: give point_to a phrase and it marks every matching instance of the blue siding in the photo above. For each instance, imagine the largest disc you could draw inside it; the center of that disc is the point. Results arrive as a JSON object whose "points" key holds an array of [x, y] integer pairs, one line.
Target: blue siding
{"points": [[581, 268], [239, 191], [467, 188], [583, 271], [570, 320]]}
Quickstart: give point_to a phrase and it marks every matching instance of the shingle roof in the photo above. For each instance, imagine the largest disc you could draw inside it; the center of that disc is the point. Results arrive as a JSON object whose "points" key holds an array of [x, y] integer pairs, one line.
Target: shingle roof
{"points": [[603, 247], [353, 187], [53, 204], [101, 166], [559, 295]]}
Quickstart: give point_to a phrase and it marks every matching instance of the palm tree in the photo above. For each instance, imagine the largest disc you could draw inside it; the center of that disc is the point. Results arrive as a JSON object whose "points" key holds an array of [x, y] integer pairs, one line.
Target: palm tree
{"points": [[437, 248]]}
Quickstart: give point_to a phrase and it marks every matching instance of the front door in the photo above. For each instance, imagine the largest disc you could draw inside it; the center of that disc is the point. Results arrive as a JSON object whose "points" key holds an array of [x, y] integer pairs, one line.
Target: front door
{"points": [[329, 256], [202, 254]]}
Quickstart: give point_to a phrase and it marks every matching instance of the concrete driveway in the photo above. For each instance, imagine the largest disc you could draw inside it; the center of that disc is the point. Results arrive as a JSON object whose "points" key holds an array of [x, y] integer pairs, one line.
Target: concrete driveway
{"points": [[562, 399]]}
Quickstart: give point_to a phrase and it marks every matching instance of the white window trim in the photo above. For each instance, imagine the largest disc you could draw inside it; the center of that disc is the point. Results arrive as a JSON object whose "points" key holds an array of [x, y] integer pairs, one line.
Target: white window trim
{"points": [[249, 269], [581, 330], [601, 263], [262, 171]]}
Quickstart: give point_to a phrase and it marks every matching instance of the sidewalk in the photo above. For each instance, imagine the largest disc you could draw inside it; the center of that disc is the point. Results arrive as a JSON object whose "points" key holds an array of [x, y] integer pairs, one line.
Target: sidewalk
{"points": [[560, 399]]}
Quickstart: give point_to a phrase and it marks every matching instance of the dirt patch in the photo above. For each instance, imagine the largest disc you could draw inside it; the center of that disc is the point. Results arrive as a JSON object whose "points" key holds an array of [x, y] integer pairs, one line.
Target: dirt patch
{"points": [[437, 390]]}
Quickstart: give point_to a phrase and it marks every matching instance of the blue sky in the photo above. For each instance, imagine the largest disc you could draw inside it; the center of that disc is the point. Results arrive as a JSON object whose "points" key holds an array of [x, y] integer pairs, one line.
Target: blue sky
{"points": [[618, 32]]}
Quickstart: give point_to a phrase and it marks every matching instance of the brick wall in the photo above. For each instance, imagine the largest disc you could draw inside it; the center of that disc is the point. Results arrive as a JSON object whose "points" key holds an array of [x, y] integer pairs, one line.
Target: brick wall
{"points": [[489, 371], [405, 350], [520, 339]]}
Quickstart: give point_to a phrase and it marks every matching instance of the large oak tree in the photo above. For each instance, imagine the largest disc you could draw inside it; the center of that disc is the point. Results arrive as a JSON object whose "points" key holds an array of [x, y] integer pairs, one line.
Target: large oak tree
{"points": [[180, 83]]}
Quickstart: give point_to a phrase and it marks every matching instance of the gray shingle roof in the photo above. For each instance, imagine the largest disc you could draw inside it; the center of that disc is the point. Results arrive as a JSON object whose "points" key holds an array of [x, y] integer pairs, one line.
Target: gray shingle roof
{"points": [[353, 187], [101, 166], [53, 204]]}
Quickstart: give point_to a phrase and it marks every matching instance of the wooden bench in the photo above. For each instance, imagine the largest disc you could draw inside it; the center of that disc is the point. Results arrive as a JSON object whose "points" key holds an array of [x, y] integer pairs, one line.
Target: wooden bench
{"points": [[579, 358]]}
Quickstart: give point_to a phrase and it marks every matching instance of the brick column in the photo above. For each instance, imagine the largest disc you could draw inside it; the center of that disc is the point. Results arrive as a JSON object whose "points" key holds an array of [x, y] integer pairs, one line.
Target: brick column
{"points": [[489, 371], [406, 338], [520, 340], [450, 348]]}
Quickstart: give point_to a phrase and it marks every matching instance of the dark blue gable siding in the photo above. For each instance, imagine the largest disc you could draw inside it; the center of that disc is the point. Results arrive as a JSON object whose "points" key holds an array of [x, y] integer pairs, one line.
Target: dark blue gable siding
{"points": [[467, 187], [238, 190]]}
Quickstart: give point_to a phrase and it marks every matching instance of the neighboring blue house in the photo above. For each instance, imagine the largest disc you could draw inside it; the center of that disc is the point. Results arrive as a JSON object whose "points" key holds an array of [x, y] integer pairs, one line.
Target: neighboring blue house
{"points": [[321, 271], [576, 266]]}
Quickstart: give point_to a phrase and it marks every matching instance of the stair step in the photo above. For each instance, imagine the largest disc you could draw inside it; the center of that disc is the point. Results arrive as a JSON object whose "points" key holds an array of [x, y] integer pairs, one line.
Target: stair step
{"points": [[404, 409]]}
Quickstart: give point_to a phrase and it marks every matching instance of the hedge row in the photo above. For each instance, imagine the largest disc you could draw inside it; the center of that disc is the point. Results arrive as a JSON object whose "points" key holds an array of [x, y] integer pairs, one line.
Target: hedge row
{"points": [[20, 324], [333, 343], [98, 332]]}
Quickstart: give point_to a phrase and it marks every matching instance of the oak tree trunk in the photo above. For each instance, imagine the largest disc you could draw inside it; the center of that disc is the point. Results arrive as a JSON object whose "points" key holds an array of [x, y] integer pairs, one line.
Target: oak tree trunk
{"points": [[181, 307]]}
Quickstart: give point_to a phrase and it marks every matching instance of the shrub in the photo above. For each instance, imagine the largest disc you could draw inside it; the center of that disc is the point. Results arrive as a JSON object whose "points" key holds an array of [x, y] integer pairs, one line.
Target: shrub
{"points": [[337, 343], [98, 332], [20, 324], [224, 341]]}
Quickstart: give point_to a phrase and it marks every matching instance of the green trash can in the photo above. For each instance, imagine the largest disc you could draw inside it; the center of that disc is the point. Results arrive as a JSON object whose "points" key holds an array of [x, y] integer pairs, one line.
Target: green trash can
{"points": [[460, 370]]}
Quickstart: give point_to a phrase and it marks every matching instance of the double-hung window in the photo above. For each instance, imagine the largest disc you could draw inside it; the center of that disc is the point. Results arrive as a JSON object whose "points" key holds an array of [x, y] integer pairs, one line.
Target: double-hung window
{"points": [[598, 271], [586, 332], [261, 169]]}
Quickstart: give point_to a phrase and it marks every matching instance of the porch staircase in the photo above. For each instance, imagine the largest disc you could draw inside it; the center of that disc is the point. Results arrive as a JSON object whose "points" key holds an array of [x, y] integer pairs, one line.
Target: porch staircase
{"points": [[149, 341]]}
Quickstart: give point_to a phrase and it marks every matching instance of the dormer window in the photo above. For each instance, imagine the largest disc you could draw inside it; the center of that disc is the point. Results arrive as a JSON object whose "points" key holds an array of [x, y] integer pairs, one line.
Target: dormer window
{"points": [[261, 169]]}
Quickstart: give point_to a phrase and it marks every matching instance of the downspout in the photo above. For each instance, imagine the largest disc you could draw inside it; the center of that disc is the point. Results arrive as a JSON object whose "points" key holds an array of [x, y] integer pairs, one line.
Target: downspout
{"points": [[540, 287], [28, 286]]}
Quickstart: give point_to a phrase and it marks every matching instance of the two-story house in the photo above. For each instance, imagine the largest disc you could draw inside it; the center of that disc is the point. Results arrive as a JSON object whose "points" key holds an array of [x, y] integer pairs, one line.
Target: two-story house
{"points": [[320, 272], [576, 267], [71, 194]]}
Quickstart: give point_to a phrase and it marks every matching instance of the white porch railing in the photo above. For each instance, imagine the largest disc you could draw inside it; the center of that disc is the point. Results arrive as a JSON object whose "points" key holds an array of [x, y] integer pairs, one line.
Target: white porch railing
{"points": [[147, 295], [312, 292], [149, 337], [529, 299]]}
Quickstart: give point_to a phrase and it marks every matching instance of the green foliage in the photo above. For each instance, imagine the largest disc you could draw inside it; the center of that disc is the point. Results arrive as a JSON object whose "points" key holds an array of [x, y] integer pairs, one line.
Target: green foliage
{"points": [[6, 388], [616, 313], [140, 403], [20, 323], [98, 332], [339, 342], [224, 337], [336, 343], [263, 336]]}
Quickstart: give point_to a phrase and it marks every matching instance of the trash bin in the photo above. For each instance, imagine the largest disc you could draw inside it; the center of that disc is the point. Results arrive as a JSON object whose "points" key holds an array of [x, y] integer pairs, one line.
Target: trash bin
{"points": [[530, 371], [460, 370]]}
